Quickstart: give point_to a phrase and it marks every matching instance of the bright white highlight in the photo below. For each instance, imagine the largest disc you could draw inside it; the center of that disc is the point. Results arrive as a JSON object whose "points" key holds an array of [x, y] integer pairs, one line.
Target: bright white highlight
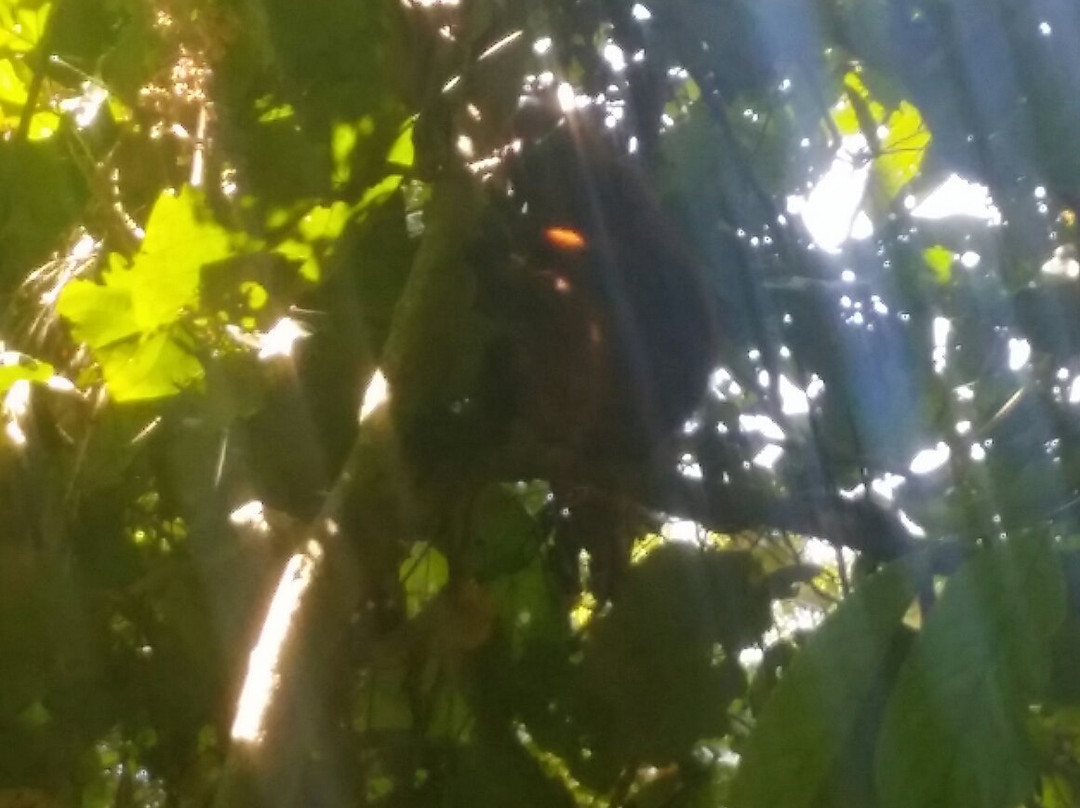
{"points": [[14, 409], [830, 211], [567, 99], [958, 197], [768, 456], [763, 425], [929, 460], [793, 401], [251, 515], [615, 57], [911, 526], [376, 394], [262, 675], [1074, 391], [497, 46], [886, 486], [680, 530], [1062, 264], [84, 108], [1019, 354], [942, 327], [281, 339]]}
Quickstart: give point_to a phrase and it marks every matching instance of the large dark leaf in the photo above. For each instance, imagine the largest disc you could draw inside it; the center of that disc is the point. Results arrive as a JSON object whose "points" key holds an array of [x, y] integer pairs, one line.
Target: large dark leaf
{"points": [[954, 729], [812, 713]]}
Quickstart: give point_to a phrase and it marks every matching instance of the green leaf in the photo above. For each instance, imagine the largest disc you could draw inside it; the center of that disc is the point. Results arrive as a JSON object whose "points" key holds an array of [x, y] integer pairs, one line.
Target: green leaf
{"points": [[505, 537], [402, 153], [100, 314], [423, 574], [378, 193], [940, 261], [324, 222], [812, 712], [12, 87], [21, 28], [903, 149], [151, 367], [162, 281], [129, 321], [16, 366], [530, 608], [954, 730], [181, 238], [343, 139]]}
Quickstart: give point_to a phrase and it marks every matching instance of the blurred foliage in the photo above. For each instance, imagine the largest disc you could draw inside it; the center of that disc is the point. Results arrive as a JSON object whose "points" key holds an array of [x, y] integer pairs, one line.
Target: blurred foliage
{"points": [[720, 461]]}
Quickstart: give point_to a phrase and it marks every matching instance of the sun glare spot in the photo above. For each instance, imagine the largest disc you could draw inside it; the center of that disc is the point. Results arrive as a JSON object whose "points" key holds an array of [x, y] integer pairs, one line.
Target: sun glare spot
{"points": [[1074, 391], [14, 409], [566, 97], [1019, 354], [615, 57], [1062, 263], [281, 339], [376, 394], [762, 425], [680, 530], [942, 327], [886, 486], [911, 526], [262, 675], [250, 515], [958, 197], [793, 401], [831, 210], [929, 460], [768, 457]]}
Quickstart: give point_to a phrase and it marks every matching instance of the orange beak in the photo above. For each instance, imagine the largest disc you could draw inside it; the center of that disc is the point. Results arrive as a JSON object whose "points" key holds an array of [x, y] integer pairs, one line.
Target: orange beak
{"points": [[565, 239]]}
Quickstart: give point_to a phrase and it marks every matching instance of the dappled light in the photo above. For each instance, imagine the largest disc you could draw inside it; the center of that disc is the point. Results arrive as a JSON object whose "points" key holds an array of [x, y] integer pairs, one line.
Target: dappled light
{"points": [[413, 403]]}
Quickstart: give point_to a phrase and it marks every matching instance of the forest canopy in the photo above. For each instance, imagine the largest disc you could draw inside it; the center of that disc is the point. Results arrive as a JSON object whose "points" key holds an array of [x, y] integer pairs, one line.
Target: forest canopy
{"points": [[539, 402]]}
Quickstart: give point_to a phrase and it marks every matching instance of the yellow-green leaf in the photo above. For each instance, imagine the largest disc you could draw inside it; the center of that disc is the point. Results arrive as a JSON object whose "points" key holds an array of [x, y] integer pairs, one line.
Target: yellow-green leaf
{"points": [[181, 238], [304, 254], [940, 261], [903, 149], [155, 366], [402, 153], [99, 315], [22, 28], [12, 86], [378, 193], [324, 222], [15, 366], [423, 574]]}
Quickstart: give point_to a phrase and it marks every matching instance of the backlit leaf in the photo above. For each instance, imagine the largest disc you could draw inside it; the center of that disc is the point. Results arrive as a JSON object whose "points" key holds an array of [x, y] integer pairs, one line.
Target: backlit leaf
{"points": [[940, 260], [181, 238], [423, 575], [15, 367], [151, 367], [903, 149]]}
